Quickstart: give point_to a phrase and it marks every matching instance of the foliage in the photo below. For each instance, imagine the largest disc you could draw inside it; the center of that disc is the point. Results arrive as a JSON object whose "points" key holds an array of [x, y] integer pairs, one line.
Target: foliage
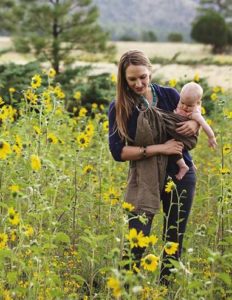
{"points": [[148, 36], [63, 225], [211, 29], [54, 30], [175, 37], [96, 89]]}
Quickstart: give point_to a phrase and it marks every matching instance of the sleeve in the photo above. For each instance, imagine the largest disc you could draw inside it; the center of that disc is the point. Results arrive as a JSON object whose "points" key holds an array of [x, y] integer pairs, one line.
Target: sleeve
{"points": [[115, 142], [174, 98]]}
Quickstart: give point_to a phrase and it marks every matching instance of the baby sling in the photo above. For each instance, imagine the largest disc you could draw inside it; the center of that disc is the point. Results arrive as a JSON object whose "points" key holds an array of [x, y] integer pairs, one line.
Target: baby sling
{"points": [[147, 176]]}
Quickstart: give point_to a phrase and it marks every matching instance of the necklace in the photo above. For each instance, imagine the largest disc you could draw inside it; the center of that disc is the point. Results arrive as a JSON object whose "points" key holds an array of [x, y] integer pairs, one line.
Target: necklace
{"points": [[154, 99]]}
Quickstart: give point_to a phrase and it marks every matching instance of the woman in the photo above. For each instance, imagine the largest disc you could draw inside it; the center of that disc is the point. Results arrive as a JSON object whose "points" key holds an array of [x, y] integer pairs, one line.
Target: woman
{"points": [[133, 88]]}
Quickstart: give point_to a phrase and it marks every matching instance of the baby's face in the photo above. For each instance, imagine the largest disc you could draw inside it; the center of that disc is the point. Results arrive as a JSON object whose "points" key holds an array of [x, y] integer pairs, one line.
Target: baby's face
{"points": [[187, 104]]}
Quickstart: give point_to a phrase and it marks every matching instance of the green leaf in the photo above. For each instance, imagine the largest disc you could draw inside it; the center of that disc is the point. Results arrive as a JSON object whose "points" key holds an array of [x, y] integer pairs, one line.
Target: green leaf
{"points": [[225, 277], [12, 277], [61, 238]]}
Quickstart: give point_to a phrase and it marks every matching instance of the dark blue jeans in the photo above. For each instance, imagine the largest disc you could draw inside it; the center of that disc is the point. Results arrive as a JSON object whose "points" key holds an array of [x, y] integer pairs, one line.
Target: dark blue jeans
{"points": [[176, 209]]}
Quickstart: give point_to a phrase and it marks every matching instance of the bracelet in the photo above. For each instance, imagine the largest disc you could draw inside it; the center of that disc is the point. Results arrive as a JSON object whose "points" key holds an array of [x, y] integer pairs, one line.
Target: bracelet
{"points": [[143, 151]]}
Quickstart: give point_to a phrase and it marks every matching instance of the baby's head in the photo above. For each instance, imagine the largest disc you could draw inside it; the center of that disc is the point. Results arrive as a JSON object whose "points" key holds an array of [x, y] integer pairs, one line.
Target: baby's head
{"points": [[191, 94]]}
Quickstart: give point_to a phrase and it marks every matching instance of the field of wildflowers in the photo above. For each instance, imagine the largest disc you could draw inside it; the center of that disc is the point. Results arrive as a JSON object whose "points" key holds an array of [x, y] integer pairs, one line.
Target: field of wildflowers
{"points": [[63, 225]]}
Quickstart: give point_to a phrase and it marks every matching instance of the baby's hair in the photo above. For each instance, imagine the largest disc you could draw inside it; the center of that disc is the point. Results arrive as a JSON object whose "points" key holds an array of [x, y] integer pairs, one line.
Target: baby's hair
{"points": [[192, 90]]}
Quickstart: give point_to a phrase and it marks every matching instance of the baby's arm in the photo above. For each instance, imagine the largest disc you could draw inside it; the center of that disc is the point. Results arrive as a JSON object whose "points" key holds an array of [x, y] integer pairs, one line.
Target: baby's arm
{"points": [[207, 129]]}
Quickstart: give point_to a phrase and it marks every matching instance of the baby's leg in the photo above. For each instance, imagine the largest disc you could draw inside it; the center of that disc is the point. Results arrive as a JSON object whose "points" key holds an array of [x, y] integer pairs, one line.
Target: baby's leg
{"points": [[183, 169]]}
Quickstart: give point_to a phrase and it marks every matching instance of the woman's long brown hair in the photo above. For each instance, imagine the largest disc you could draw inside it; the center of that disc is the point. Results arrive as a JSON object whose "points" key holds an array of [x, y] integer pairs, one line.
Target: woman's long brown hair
{"points": [[125, 98]]}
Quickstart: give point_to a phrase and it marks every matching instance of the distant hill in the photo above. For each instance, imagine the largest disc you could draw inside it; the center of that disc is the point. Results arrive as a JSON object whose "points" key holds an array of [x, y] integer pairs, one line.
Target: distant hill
{"points": [[131, 17]]}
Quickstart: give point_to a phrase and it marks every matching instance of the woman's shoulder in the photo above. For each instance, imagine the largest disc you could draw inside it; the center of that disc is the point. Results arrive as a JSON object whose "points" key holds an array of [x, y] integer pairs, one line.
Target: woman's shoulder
{"points": [[165, 90]]}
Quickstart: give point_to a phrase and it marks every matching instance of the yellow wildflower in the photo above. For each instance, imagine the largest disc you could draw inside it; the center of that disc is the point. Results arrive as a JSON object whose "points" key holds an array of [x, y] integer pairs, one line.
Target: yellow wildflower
{"points": [[152, 240], [88, 169], [150, 262], [4, 149], [94, 105], [12, 90], [225, 170], [113, 78], [59, 93], [209, 122], [127, 206], [172, 82], [3, 240], [111, 196], [227, 149], [196, 77], [115, 285], [213, 96], [136, 239], [89, 130], [52, 138], [1, 101], [14, 188], [203, 111], [37, 130], [13, 216], [83, 111], [83, 140], [35, 162], [77, 95], [216, 89], [28, 230], [32, 97], [51, 73], [170, 186], [36, 81], [171, 247], [105, 126]]}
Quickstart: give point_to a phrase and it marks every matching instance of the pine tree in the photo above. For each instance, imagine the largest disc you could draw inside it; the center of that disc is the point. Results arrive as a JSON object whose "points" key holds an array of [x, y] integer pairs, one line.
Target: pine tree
{"points": [[54, 29]]}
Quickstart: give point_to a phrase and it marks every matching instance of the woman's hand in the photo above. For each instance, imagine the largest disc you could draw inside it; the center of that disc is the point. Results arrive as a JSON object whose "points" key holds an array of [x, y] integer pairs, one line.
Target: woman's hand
{"points": [[172, 147], [188, 128]]}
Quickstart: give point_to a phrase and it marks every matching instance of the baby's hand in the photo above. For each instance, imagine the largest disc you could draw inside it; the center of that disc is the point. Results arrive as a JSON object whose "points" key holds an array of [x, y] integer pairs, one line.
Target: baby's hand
{"points": [[212, 142]]}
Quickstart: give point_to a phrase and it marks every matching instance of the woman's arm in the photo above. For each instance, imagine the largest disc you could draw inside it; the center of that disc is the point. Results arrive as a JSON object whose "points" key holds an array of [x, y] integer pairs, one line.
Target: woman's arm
{"points": [[136, 153]]}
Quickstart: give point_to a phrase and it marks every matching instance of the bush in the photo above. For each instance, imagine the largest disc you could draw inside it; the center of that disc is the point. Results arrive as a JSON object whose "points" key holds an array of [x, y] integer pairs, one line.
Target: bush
{"points": [[175, 37], [211, 29], [148, 36]]}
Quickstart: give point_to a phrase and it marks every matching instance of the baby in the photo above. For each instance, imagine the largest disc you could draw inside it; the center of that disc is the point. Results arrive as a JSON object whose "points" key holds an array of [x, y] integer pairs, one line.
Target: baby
{"points": [[190, 106]]}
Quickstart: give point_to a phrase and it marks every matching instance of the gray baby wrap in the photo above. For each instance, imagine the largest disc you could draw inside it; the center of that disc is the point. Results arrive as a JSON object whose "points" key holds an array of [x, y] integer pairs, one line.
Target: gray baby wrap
{"points": [[146, 176]]}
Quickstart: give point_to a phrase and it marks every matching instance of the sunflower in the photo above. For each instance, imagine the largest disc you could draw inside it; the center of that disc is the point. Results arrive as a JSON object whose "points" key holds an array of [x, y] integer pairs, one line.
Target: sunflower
{"points": [[51, 73], [152, 240], [4, 149], [105, 126], [36, 81], [14, 188], [37, 130], [226, 149], [83, 111], [115, 285], [77, 95], [3, 240], [170, 186], [171, 247], [111, 196], [35, 162], [150, 262], [88, 169], [83, 140], [13, 216], [136, 239], [52, 138], [28, 230], [127, 206]]}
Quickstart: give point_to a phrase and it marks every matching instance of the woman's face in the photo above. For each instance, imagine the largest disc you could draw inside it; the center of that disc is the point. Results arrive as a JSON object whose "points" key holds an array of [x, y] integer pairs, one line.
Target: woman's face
{"points": [[138, 78]]}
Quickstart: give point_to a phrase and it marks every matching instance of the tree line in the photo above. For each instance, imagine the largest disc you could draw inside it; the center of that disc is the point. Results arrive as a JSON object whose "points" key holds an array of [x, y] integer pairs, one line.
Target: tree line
{"points": [[54, 30]]}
